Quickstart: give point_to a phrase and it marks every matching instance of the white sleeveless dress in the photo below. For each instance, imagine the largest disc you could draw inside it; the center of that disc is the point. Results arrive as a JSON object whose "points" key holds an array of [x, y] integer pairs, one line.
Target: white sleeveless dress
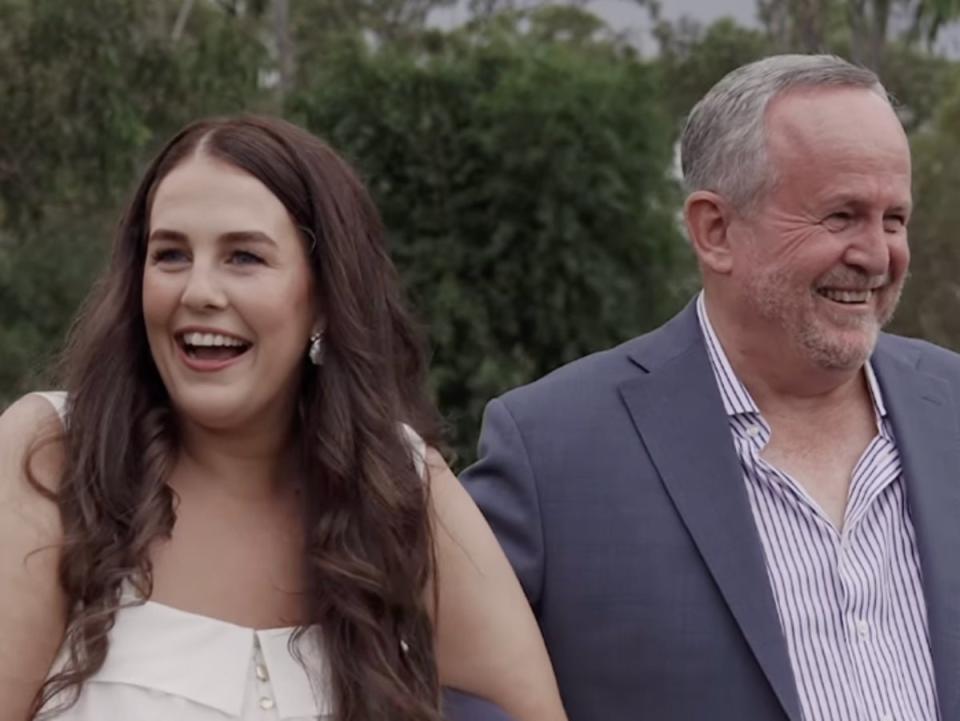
{"points": [[165, 664]]}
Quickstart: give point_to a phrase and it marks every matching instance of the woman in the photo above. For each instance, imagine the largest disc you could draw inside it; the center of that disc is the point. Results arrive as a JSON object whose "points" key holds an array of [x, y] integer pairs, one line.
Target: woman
{"points": [[244, 516]]}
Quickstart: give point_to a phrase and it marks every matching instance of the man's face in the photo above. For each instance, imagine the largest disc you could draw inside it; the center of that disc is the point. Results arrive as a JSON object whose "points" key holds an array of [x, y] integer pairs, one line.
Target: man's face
{"points": [[820, 262]]}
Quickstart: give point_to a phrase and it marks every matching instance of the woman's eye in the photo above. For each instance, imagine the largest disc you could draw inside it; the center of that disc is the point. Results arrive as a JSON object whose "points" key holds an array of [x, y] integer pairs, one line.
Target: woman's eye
{"points": [[244, 257], [168, 256]]}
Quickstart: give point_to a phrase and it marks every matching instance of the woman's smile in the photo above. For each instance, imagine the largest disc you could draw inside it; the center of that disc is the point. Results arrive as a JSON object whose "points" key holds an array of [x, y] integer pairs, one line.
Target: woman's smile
{"points": [[209, 350]]}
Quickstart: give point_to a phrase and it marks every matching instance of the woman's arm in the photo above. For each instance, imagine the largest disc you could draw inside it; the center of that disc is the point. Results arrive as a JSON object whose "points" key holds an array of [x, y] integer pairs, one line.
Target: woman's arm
{"points": [[488, 641], [32, 607]]}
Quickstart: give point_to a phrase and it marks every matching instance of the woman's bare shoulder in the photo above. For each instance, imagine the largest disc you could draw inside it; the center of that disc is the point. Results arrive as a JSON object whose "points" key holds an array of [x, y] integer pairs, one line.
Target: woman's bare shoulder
{"points": [[32, 606], [31, 437], [488, 642]]}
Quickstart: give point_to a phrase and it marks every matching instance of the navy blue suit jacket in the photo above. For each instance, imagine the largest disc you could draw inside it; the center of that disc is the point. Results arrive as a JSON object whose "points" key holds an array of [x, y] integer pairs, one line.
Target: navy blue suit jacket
{"points": [[614, 487]]}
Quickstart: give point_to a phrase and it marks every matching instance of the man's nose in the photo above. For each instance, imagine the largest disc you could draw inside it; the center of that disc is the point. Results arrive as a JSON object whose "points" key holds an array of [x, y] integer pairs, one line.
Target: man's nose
{"points": [[870, 249], [203, 289]]}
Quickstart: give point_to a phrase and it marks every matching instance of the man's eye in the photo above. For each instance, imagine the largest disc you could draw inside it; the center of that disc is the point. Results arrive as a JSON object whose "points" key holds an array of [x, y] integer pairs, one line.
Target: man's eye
{"points": [[894, 223], [839, 220], [244, 257]]}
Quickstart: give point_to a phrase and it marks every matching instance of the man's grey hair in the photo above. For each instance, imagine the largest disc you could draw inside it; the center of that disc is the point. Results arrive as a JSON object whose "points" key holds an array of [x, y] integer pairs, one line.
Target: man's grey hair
{"points": [[723, 146]]}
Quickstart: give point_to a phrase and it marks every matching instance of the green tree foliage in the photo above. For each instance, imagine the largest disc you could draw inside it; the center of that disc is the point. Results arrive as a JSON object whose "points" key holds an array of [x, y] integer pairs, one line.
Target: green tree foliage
{"points": [[522, 164], [320, 28], [526, 187], [388, 20], [929, 17], [865, 29], [929, 306], [926, 87], [88, 90], [693, 58]]}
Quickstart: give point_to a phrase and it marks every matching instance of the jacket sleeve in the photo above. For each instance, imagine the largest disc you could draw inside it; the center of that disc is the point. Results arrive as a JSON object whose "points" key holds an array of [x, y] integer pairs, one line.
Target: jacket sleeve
{"points": [[459, 706], [503, 485]]}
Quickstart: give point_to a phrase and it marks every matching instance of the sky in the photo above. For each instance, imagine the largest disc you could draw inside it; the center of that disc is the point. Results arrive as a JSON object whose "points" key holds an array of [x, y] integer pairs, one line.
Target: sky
{"points": [[623, 13], [626, 15]]}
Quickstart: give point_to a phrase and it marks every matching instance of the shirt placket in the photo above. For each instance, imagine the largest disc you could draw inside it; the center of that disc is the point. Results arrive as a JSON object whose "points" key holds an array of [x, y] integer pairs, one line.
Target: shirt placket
{"points": [[755, 436], [266, 696], [860, 628], [860, 563], [877, 672], [854, 583]]}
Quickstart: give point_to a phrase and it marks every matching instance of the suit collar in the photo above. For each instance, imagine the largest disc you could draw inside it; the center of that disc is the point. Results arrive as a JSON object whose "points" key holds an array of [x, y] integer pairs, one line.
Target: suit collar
{"points": [[673, 338], [701, 472], [924, 419]]}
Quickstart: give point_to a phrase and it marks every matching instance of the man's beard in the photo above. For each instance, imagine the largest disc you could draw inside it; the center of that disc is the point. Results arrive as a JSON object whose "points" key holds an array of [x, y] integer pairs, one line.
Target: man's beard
{"points": [[826, 342]]}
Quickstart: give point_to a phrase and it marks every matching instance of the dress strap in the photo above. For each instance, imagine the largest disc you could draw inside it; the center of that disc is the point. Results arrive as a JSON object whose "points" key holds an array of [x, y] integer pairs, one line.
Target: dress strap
{"points": [[58, 399], [418, 449]]}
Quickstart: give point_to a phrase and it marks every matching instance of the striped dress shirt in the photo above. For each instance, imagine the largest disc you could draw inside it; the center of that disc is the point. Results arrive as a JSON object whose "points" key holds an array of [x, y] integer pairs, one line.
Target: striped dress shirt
{"points": [[850, 601]]}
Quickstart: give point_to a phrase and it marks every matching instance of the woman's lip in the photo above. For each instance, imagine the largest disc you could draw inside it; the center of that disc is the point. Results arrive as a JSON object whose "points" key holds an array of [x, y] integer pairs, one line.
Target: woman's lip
{"points": [[206, 366]]}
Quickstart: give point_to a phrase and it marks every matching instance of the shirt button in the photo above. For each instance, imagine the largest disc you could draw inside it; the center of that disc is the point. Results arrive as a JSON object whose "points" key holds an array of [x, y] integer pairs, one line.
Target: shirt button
{"points": [[863, 628], [753, 431], [262, 672], [266, 703]]}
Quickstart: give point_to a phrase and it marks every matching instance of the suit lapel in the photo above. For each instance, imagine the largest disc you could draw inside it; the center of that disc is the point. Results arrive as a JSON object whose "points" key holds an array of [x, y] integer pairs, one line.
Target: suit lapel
{"points": [[679, 415], [924, 419]]}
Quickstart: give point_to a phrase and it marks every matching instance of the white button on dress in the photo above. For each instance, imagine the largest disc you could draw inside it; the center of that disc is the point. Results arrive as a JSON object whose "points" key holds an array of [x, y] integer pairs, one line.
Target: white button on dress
{"points": [[164, 663]]}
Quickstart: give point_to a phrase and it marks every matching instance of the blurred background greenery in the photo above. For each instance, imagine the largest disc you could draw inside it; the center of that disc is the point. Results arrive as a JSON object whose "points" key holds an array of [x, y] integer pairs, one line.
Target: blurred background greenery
{"points": [[523, 159]]}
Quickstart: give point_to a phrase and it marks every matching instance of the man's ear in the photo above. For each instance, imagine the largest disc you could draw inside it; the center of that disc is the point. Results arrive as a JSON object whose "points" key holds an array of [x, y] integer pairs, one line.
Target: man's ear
{"points": [[708, 217]]}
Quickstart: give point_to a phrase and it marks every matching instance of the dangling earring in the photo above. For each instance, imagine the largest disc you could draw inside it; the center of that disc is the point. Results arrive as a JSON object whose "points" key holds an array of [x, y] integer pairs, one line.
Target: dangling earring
{"points": [[316, 349]]}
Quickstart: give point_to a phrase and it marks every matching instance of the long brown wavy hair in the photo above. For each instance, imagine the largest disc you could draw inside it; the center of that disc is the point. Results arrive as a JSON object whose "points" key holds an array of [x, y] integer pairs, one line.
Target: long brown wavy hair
{"points": [[369, 558]]}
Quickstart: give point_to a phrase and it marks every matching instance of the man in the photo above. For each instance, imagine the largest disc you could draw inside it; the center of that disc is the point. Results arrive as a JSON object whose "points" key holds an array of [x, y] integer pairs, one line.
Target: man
{"points": [[752, 512]]}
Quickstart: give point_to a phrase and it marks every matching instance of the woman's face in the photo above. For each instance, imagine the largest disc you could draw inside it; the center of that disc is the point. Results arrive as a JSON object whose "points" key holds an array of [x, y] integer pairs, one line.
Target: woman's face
{"points": [[228, 297]]}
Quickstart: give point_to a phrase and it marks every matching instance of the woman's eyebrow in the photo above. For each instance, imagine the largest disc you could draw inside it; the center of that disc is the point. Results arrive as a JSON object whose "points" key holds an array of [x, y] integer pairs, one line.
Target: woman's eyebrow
{"points": [[231, 237], [159, 234], [248, 236]]}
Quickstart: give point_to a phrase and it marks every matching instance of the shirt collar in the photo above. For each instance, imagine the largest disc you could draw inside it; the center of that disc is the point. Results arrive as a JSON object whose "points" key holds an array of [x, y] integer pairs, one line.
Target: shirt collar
{"points": [[736, 398], [207, 661]]}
